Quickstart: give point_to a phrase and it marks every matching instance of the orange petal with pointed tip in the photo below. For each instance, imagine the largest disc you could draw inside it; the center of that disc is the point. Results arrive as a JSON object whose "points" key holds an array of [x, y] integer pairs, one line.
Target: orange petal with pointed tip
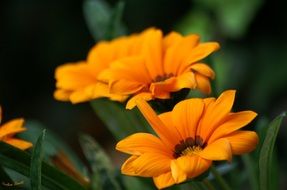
{"points": [[192, 166], [234, 121], [12, 127], [203, 83], [186, 115], [243, 141], [203, 69], [143, 95], [147, 165], [215, 113], [162, 131], [164, 180], [141, 143], [21, 144], [218, 150]]}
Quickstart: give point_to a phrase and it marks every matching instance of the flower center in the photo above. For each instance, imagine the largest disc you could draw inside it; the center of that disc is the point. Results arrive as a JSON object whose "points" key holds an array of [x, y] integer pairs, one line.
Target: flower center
{"points": [[188, 146], [160, 78]]}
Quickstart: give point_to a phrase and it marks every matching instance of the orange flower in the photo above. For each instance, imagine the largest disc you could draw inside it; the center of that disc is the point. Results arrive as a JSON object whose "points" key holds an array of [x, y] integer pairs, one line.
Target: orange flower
{"points": [[78, 82], [9, 129], [192, 135], [167, 64]]}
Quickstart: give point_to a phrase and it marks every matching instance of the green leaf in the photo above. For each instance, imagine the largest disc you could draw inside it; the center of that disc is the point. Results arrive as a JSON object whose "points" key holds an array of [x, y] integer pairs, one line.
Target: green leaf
{"points": [[36, 163], [19, 161], [100, 163], [120, 122], [103, 21], [251, 171], [53, 143], [266, 154]]}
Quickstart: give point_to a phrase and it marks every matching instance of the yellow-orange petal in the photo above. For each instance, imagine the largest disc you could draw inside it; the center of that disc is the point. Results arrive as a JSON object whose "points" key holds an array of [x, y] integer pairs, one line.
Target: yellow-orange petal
{"points": [[62, 95], [203, 69], [73, 76], [12, 127], [162, 131], [166, 118], [143, 95], [128, 168], [21, 144], [242, 141], [178, 174], [171, 39], [203, 83], [193, 165], [140, 143], [199, 52], [218, 150], [233, 122], [186, 115], [125, 87], [163, 180], [152, 52], [215, 113], [147, 165], [176, 54]]}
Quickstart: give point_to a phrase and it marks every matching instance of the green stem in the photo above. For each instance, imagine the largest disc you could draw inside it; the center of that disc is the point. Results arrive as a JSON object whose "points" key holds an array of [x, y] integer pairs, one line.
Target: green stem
{"points": [[208, 184], [251, 171], [219, 178]]}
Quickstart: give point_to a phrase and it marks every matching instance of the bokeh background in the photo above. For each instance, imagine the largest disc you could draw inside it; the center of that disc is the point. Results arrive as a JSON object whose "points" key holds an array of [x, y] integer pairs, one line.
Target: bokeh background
{"points": [[38, 35]]}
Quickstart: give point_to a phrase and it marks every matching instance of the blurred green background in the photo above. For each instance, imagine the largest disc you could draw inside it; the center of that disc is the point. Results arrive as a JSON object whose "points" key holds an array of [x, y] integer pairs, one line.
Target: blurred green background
{"points": [[38, 35]]}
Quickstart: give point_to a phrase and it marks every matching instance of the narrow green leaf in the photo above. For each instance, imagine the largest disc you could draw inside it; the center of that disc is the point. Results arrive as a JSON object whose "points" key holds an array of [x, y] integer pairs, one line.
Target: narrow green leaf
{"points": [[120, 122], [19, 161], [5, 178], [103, 21], [115, 27], [266, 153], [251, 170], [53, 144], [36, 163], [100, 163]]}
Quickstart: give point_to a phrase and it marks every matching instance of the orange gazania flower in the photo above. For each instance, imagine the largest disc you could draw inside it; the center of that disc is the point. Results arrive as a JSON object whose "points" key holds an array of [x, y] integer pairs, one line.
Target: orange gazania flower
{"points": [[168, 64], [190, 137], [9, 129], [78, 82]]}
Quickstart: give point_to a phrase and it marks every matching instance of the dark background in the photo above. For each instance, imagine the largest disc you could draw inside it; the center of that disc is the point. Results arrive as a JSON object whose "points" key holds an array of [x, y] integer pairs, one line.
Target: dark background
{"points": [[38, 35]]}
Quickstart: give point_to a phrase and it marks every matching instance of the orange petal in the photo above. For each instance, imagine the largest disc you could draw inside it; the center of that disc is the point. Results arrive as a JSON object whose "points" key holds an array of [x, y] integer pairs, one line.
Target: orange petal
{"points": [[21, 144], [164, 180], [199, 52], [203, 83], [62, 95], [141, 143], [165, 135], [12, 127], [143, 95], [178, 52], [147, 165], [152, 52], [243, 141], [192, 166], [186, 115], [178, 174], [73, 76], [171, 39], [166, 118], [215, 113], [128, 168], [125, 87], [203, 69], [233, 122], [218, 150]]}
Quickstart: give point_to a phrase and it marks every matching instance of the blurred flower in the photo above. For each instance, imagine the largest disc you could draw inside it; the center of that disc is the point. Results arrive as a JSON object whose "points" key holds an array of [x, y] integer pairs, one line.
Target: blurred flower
{"points": [[9, 129], [192, 135], [167, 64], [78, 82]]}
